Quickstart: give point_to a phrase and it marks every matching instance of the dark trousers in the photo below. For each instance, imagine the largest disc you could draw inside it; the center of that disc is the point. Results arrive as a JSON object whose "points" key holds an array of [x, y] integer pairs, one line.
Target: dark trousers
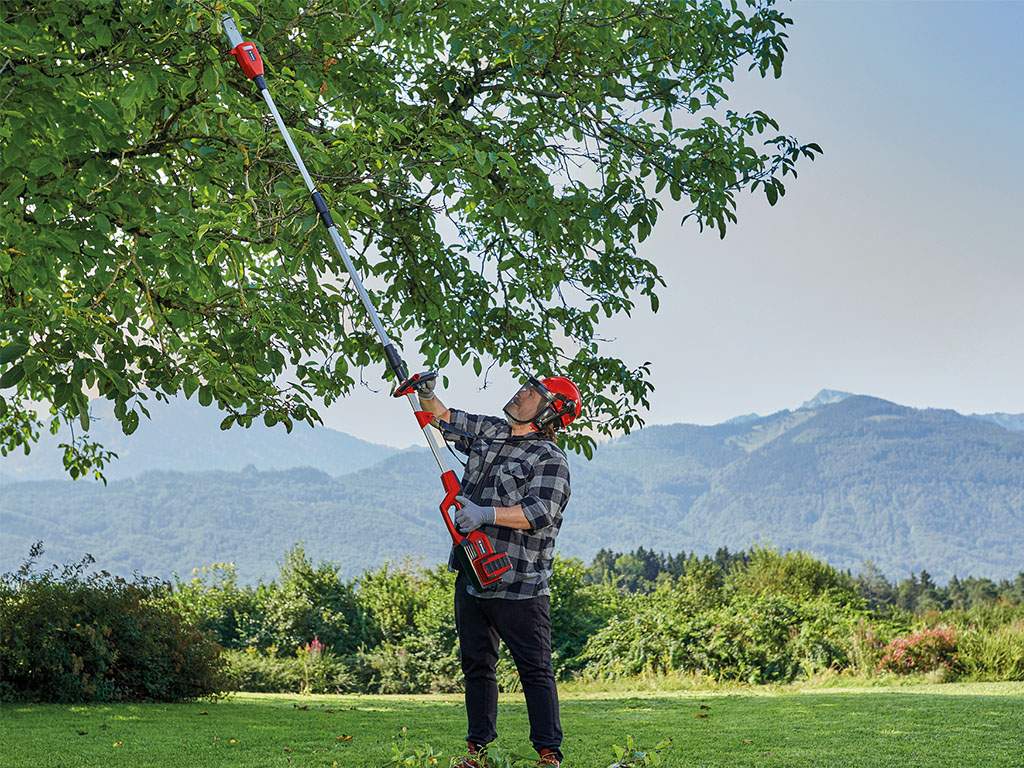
{"points": [[525, 626]]}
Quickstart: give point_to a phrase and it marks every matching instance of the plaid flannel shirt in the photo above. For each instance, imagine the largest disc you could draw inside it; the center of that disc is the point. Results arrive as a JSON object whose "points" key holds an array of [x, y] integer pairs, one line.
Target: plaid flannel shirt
{"points": [[530, 471]]}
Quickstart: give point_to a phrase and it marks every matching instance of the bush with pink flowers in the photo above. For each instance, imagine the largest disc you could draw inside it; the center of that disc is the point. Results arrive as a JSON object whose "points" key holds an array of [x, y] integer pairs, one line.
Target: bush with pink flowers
{"points": [[925, 651]]}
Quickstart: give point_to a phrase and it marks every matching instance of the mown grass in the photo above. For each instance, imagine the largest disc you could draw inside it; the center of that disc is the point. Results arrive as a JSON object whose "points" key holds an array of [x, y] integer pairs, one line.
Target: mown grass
{"points": [[953, 725]]}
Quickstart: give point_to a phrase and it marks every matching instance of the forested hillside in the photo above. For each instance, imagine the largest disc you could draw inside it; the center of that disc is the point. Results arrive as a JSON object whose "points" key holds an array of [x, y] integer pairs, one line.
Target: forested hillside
{"points": [[851, 480]]}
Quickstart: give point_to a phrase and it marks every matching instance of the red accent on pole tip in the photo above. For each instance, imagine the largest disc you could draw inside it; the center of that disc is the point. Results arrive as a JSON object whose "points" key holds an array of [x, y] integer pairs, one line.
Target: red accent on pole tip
{"points": [[424, 418], [248, 58]]}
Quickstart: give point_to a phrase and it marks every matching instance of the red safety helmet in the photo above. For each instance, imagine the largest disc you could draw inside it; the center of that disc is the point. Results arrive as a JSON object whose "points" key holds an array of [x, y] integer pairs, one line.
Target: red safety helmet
{"points": [[560, 404]]}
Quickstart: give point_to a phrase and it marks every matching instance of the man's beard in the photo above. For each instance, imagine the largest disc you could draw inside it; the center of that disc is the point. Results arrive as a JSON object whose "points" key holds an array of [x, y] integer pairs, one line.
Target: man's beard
{"points": [[511, 411]]}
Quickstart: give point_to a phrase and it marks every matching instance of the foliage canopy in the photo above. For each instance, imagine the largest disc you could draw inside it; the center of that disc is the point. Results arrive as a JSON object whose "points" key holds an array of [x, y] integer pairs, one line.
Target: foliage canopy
{"points": [[492, 166]]}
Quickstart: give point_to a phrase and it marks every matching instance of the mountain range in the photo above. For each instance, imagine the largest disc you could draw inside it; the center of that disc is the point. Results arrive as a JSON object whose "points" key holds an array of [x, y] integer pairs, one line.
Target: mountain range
{"points": [[849, 478]]}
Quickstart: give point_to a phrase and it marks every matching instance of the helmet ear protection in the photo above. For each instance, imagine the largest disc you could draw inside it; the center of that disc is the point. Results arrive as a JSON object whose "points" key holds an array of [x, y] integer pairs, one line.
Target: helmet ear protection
{"points": [[557, 407]]}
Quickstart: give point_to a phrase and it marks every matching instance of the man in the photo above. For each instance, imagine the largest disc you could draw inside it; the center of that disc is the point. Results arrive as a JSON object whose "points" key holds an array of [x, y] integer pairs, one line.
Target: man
{"points": [[515, 487]]}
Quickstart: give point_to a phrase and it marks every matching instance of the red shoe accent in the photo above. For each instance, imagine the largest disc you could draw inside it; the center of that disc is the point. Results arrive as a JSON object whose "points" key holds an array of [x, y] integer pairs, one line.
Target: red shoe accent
{"points": [[548, 756]]}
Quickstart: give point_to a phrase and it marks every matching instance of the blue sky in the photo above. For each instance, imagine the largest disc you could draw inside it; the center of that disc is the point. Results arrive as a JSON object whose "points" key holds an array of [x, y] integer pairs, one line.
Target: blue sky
{"points": [[892, 267]]}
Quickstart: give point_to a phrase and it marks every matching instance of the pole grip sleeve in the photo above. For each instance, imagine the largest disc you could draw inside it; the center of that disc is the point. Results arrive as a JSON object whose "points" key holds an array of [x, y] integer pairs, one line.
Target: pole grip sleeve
{"points": [[396, 363], [321, 208]]}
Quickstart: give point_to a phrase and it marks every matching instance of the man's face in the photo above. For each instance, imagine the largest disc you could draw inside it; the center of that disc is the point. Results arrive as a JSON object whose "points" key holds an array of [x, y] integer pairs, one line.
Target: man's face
{"points": [[525, 404]]}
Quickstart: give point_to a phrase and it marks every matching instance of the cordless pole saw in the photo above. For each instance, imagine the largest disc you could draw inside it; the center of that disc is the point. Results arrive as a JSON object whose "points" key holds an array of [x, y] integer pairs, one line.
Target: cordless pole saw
{"points": [[474, 552]]}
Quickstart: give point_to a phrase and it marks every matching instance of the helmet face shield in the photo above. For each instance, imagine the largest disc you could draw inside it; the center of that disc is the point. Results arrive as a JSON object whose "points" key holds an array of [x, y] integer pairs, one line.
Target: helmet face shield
{"points": [[529, 402]]}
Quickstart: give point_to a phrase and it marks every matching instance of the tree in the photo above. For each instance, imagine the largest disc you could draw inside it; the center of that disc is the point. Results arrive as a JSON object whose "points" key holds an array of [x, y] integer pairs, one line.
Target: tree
{"points": [[310, 600], [874, 587], [602, 567], [796, 574], [493, 168]]}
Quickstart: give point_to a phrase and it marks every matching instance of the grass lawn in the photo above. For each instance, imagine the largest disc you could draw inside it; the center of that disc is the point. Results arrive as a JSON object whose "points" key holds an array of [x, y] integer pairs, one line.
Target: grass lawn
{"points": [[956, 725]]}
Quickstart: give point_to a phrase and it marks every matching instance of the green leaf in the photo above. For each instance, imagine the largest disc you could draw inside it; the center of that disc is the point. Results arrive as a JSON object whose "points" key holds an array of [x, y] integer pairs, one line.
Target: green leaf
{"points": [[130, 422], [12, 376], [61, 393], [228, 421], [40, 165], [209, 80], [12, 352]]}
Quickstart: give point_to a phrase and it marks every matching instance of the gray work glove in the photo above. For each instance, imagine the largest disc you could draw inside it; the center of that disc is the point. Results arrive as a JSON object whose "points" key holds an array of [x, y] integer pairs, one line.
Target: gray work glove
{"points": [[426, 389], [472, 516]]}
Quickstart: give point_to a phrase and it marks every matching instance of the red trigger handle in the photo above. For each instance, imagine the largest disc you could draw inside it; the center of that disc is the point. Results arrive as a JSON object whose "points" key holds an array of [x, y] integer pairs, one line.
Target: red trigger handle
{"points": [[452, 489]]}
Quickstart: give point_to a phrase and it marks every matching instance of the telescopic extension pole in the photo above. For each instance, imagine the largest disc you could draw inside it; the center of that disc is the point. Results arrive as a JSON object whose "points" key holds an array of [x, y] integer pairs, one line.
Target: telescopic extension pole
{"points": [[474, 551]]}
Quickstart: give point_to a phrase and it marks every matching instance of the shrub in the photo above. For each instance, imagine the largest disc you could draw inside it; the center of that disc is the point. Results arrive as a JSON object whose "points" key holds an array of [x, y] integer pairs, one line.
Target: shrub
{"points": [[984, 616], [422, 656], [578, 610], [306, 672], [653, 633], [824, 638], [796, 575], [750, 640], [215, 602], [389, 599], [70, 635], [312, 600], [867, 643], [925, 651], [992, 654], [690, 625]]}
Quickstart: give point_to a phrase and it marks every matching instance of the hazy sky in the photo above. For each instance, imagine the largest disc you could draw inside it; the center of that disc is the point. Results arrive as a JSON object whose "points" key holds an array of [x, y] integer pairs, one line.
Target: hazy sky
{"points": [[892, 267]]}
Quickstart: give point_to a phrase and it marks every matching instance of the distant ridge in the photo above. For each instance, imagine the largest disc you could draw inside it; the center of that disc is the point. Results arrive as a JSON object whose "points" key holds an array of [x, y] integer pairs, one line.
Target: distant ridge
{"points": [[744, 419], [1012, 421], [826, 397]]}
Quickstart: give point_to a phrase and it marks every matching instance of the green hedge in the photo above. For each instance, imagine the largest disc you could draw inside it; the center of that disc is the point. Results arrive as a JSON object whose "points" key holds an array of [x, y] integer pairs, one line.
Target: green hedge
{"points": [[70, 635]]}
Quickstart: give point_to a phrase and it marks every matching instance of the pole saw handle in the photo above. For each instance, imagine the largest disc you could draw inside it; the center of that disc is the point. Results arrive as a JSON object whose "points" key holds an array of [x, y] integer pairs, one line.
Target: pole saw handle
{"points": [[412, 383], [452, 488], [474, 552]]}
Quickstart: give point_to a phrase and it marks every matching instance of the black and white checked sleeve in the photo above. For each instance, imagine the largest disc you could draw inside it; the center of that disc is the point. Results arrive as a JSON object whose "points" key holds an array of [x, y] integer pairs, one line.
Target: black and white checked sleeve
{"points": [[547, 492], [472, 423]]}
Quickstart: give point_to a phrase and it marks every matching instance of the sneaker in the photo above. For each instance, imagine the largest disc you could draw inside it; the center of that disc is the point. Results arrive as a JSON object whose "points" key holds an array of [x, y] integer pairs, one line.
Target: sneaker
{"points": [[549, 757]]}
